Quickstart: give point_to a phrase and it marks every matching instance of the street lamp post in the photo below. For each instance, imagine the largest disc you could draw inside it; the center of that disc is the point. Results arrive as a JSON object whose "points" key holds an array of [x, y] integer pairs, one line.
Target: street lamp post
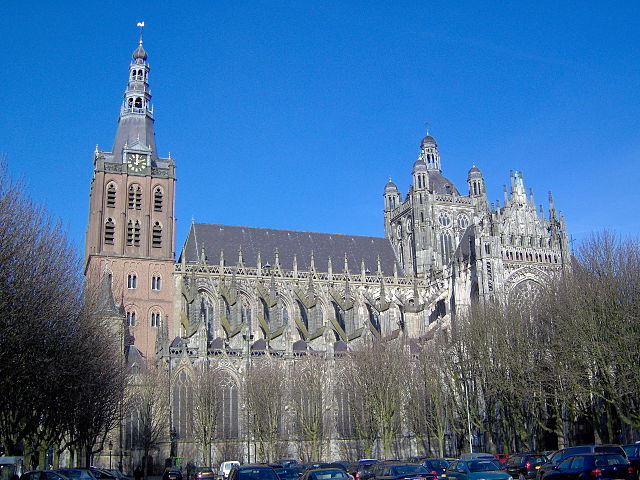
{"points": [[110, 450]]}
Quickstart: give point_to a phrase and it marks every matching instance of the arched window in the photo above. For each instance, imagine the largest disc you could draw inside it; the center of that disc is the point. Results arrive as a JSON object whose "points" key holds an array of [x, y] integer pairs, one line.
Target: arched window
{"points": [[155, 319], [133, 233], [228, 422], [135, 197], [111, 195], [444, 219], [138, 102], [133, 427], [182, 406], [155, 282], [156, 240], [445, 247], [136, 234], [109, 231], [345, 425], [157, 199], [131, 318], [132, 281], [304, 318]]}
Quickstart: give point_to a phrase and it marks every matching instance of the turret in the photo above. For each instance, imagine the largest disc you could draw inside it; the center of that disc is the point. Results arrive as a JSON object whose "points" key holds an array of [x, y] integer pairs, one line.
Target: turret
{"points": [[429, 153], [391, 196], [476, 182], [420, 175], [392, 199]]}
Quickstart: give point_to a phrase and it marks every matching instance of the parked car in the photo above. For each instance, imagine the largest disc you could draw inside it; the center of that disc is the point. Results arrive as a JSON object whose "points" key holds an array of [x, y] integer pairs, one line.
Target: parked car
{"points": [[435, 466], [42, 475], [501, 457], [252, 472], [103, 474], [633, 454], [524, 465], [561, 454], [11, 467], [172, 473], [358, 469], [225, 468], [116, 473], [397, 471], [485, 469], [78, 473], [592, 466], [325, 474], [289, 473], [202, 473]]}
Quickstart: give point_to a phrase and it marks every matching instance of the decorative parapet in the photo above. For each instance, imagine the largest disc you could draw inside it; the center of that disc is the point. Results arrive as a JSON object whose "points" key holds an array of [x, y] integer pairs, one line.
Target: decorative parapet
{"points": [[454, 199], [254, 273]]}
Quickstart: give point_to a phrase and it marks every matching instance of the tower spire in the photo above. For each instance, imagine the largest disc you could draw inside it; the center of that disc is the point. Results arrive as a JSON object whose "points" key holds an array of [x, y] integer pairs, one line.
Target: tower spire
{"points": [[135, 124]]}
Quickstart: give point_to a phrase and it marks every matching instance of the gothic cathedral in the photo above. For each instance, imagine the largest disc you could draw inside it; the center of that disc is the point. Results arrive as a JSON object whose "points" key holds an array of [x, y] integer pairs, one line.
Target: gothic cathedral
{"points": [[235, 291]]}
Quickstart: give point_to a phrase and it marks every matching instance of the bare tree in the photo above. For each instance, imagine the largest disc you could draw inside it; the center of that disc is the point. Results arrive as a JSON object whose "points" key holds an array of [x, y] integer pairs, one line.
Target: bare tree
{"points": [[148, 399], [307, 380], [429, 404], [264, 393], [375, 372], [207, 406], [59, 370]]}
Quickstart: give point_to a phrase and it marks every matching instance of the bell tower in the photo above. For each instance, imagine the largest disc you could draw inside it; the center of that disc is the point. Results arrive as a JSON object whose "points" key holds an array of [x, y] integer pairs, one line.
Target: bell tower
{"points": [[131, 231]]}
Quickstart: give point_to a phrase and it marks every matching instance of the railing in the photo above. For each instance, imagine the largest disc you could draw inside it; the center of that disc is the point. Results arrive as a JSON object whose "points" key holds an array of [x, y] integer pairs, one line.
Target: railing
{"points": [[278, 273], [454, 199]]}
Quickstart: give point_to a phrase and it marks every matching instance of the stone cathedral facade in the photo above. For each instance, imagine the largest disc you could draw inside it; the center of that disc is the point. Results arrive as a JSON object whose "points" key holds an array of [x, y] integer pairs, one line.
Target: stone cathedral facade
{"points": [[237, 294]]}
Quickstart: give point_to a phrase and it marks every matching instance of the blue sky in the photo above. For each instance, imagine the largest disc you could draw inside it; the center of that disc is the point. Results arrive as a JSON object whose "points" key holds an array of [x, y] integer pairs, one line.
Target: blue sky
{"points": [[294, 114]]}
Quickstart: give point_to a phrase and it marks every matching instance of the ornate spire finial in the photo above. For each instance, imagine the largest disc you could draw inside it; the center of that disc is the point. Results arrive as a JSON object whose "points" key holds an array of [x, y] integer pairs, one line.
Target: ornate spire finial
{"points": [[141, 25], [426, 124]]}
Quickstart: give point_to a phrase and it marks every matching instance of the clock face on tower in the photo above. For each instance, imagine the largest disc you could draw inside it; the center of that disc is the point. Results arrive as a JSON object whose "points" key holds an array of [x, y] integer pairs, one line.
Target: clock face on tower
{"points": [[136, 162]]}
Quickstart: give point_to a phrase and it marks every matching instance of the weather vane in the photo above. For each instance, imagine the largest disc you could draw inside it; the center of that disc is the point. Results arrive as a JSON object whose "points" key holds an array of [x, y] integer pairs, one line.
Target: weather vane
{"points": [[141, 25]]}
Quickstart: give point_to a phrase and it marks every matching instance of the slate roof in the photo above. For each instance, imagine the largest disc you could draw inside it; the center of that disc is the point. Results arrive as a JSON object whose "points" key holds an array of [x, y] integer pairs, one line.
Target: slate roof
{"points": [[438, 184], [288, 242]]}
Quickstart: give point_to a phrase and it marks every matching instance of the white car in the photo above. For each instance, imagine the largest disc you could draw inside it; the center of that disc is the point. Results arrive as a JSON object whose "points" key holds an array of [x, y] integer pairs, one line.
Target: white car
{"points": [[225, 468]]}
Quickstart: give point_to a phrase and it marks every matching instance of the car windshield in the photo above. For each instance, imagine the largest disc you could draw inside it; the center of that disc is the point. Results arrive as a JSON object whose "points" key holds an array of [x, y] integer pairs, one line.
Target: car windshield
{"points": [[483, 466], [631, 450], [437, 463], [328, 474], [77, 474], [257, 473], [288, 473], [606, 460], [515, 461], [611, 449], [407, 470]]}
